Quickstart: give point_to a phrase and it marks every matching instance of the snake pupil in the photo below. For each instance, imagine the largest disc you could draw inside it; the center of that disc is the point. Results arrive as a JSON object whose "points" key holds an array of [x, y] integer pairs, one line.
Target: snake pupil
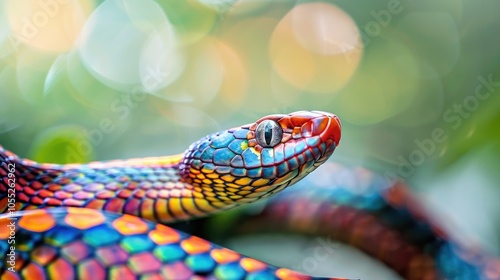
{"points": [[268, 133]]}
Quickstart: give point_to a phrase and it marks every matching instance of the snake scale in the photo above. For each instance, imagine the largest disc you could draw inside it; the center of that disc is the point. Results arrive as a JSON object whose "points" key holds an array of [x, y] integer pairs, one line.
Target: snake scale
{"points": [[106, 220]]}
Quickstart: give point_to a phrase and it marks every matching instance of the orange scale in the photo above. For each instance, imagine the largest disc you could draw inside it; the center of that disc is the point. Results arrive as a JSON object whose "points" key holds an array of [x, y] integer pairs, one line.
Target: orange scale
{"points": [[115, 205], [176, 208], [5, 228], [33, 271], [36, 185], [49, 201], [164, 235], [19, 263], [224, 255], [195, 245], [45, 193], [124, 193], [283, 273], [60, 270], [43, 255], [53, 187], [9, 275], [83, 218], [147, 209], [38, 221], [161, 210], [96, 204], [251, 265], [286, 122], [29, 191], [139, 193], [128, 225], [35, 200]]}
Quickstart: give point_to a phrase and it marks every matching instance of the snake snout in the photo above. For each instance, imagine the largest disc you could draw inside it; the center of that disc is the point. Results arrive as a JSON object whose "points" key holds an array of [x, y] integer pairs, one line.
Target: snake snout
{"points": [[326, 125]]}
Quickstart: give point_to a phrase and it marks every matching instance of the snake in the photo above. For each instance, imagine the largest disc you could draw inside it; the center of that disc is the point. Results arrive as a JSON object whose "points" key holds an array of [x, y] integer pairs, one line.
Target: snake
{"points": [[109, 219]]}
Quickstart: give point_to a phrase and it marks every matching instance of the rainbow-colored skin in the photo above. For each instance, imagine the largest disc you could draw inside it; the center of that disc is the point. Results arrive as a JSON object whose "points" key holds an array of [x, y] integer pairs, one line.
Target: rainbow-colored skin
{"points": [[352, 205], [74, 243], [107, 239]]}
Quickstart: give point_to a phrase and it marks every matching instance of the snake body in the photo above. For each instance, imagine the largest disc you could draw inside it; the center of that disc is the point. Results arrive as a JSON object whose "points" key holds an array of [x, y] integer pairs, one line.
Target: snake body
{"points": [[105, 220]]}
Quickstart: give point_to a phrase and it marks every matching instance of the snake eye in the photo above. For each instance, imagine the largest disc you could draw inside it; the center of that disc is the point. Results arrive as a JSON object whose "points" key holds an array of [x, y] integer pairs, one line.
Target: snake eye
{"points": [[268, 133]]}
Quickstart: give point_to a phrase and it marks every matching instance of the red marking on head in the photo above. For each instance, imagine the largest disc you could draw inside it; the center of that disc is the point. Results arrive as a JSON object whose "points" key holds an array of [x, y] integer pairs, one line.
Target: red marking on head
{"points": [[309, 123]]}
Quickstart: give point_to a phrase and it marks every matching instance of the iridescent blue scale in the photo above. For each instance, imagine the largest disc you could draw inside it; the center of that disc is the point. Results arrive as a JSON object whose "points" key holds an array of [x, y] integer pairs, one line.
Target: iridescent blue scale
{"points": [[223, 156], [237, 161], [313, 141], [269, 172], [293, 163], [207, 155], [170, 253], [251, 159], [230, 271], [282, 169], [61, 235], [137, 244], [222, 140], [237, 146], [239, 172], [267, 157], [254, 172], [201, 263], [240, 133], [289, 151], [300, 147], [101, 235], [279, 155]]}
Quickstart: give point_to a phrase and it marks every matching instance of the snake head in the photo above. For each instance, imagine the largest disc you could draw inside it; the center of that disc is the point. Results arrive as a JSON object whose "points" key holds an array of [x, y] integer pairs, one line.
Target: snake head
{"points": [[253, 161]]}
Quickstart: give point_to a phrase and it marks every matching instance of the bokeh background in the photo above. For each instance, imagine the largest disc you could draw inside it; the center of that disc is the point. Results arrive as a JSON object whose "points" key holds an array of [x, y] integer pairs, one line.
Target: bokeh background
{"points": [[416, 84]]}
